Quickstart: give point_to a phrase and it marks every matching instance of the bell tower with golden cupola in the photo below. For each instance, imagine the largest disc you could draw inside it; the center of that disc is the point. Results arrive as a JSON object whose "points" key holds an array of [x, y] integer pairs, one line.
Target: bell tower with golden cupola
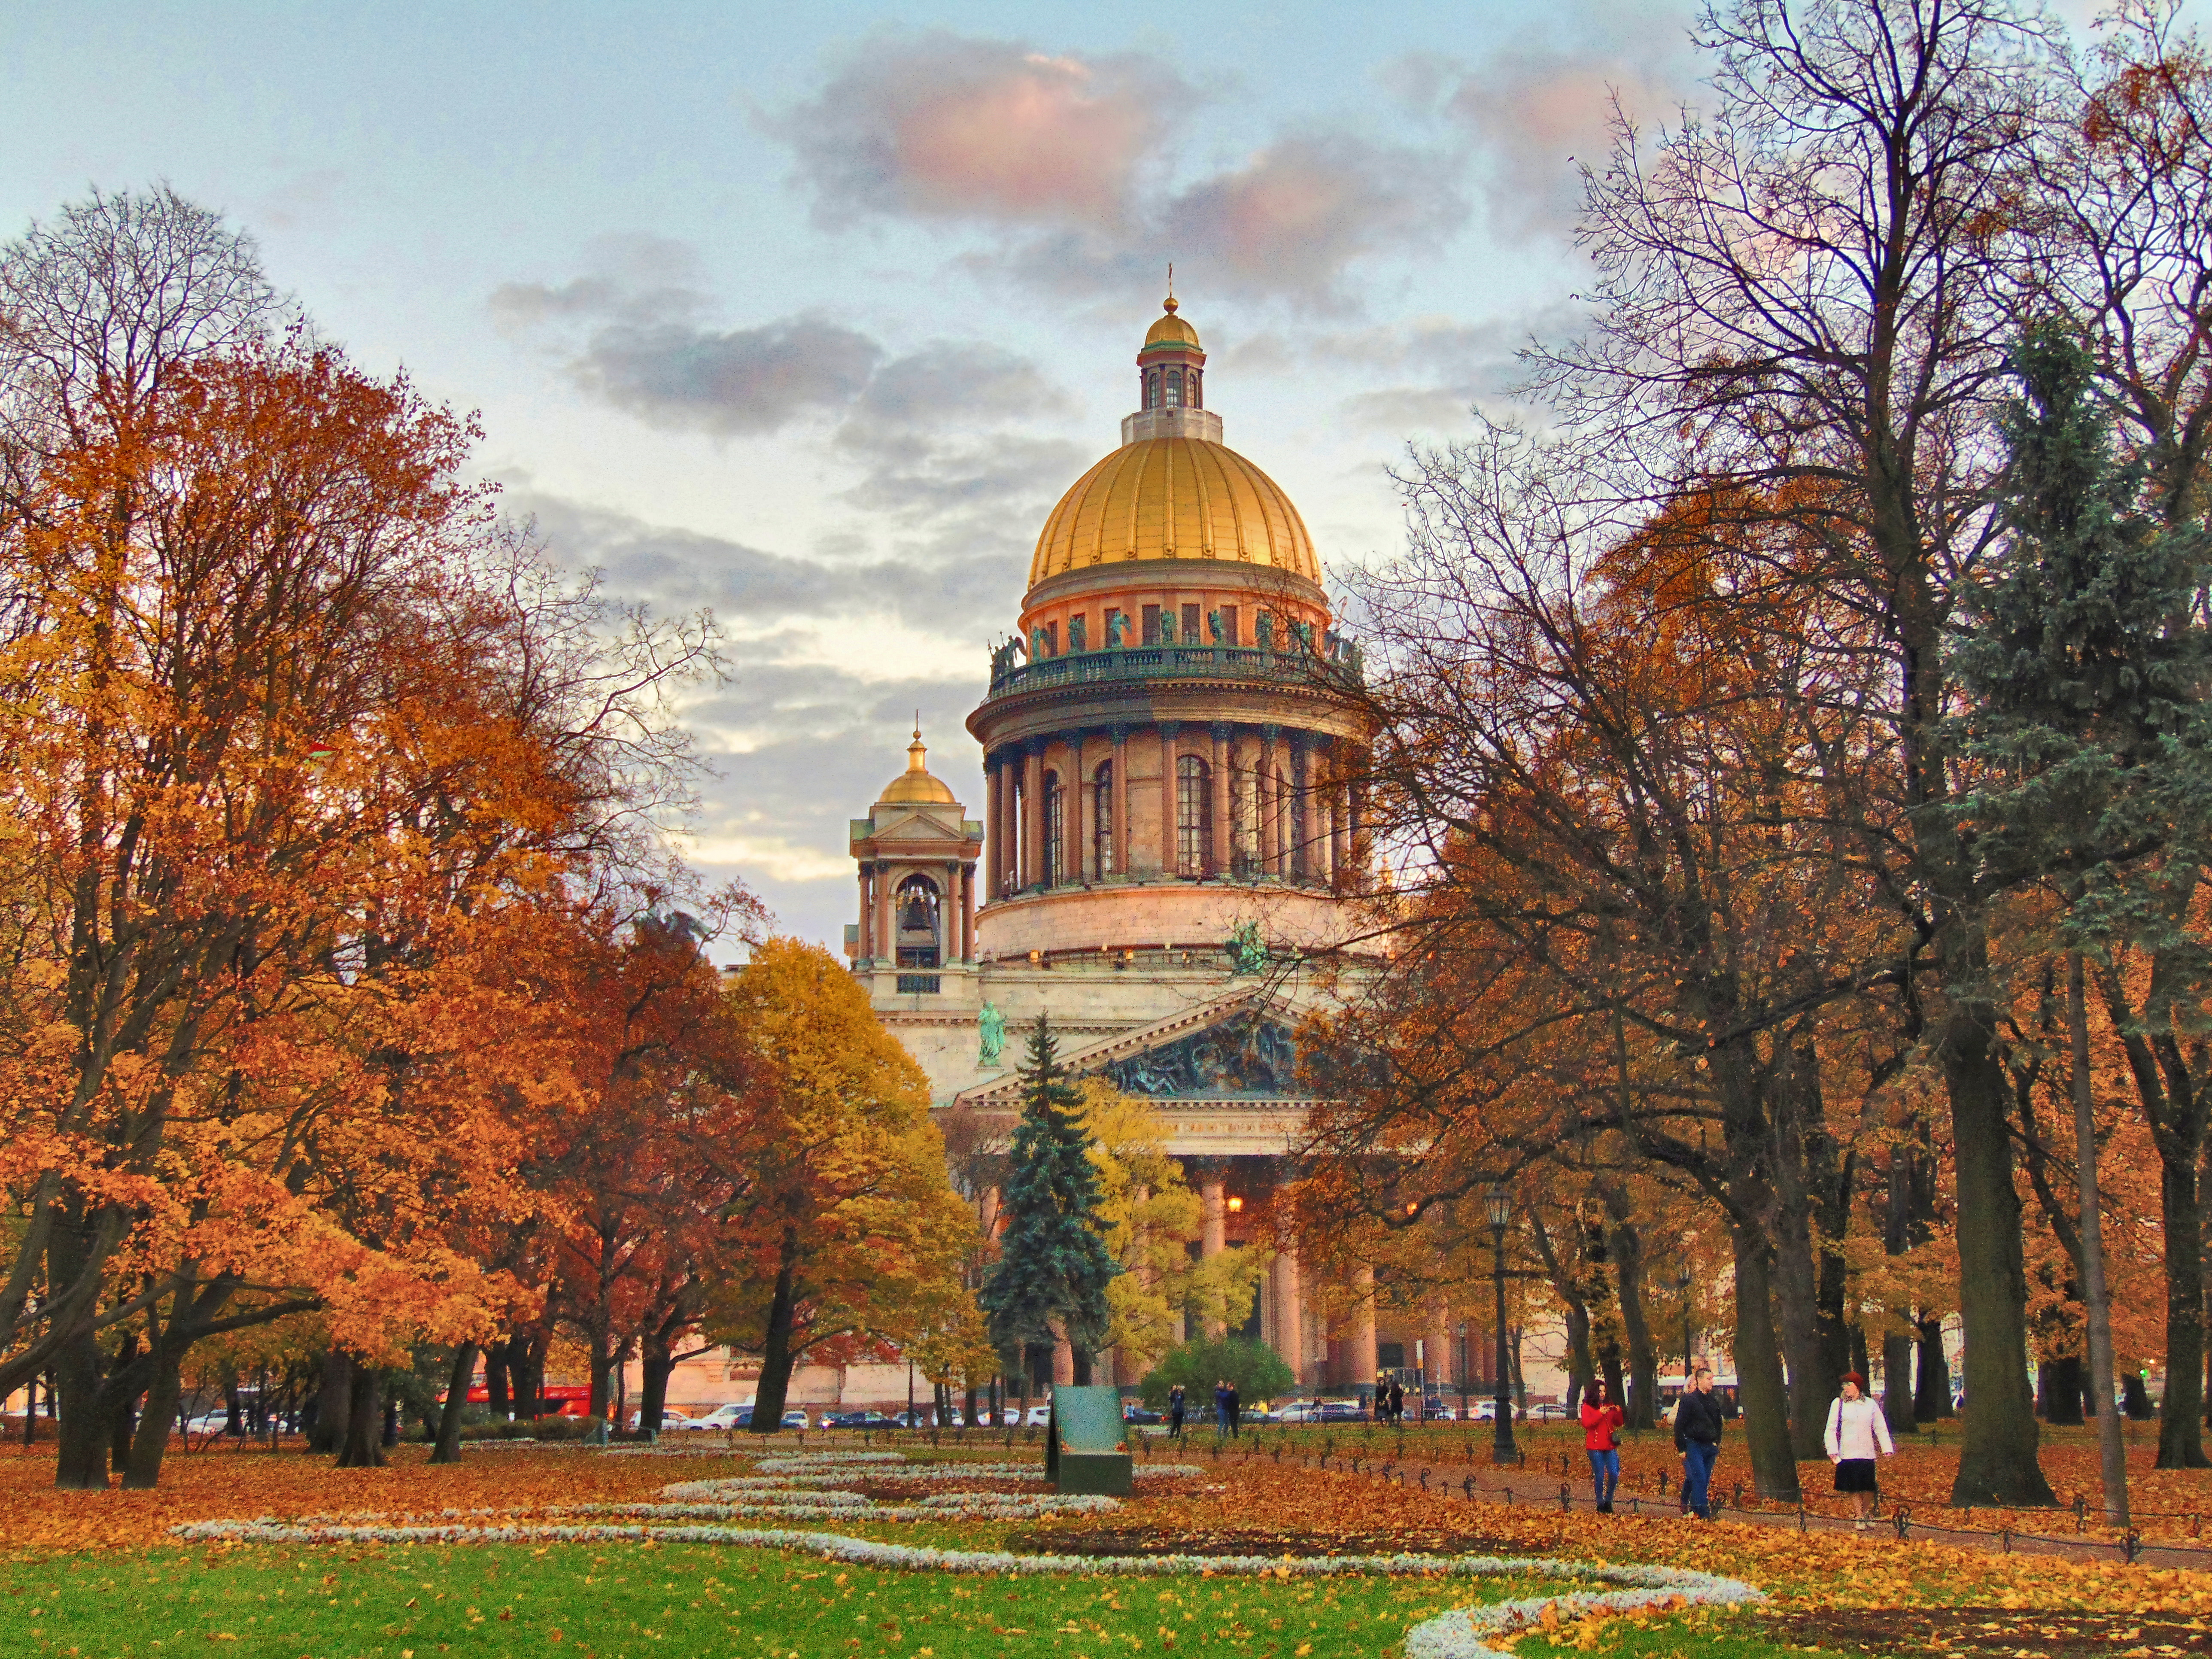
{"points": [[918, 851]]}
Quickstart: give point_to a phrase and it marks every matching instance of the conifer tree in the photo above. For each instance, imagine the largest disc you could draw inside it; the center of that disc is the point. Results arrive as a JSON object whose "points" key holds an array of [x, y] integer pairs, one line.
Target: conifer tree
{"points": [[1053, 1261], [2085, 661]]}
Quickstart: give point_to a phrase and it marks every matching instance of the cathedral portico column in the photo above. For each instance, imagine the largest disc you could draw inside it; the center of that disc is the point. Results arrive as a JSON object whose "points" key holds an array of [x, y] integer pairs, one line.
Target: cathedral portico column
{"points": [[1218, 851], [1270, 828], [1168, 860], [1032, 871], [1290, 1312], [1122, 848], [1361, 852], [1067, 856], [1340, 813], [1439, 1355], [886, 940], [1301, 862], [867, 948], [948, 917], [1361, 1360], [1213, 1220], [967, 912], [995, 842]]}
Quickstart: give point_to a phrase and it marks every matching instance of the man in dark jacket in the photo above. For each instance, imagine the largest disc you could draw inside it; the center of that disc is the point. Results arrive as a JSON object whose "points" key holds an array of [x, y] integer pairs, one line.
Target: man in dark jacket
{"points": [[1698, 1437]]}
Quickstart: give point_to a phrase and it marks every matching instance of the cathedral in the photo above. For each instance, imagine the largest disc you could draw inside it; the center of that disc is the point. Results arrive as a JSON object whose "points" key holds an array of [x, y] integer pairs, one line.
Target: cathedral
{"points": [[1172, 854]]}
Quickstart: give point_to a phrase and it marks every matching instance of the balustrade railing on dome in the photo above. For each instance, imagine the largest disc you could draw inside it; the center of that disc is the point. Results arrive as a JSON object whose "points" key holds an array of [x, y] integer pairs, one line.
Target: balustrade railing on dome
{"points": [[1176, 662]]}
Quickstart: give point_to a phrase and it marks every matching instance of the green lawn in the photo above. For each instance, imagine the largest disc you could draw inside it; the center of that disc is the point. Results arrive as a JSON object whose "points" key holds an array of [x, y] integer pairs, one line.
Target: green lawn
{"points": [[617, 1603]]}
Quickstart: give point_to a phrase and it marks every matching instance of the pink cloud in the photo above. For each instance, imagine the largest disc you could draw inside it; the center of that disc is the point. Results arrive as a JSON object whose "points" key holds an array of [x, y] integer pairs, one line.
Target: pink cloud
{"points": [[940, 125], [1537, 118]]}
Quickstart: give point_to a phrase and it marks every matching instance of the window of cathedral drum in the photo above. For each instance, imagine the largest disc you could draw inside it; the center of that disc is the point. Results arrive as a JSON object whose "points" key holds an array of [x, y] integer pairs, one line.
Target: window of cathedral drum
{"points": [[1051, 632], [1174, 391], [1192, 626], [1152, 621], [1152, 390], [1101, 821], [917, 920], [1197, 390], [1229, 634], [1055, 830], [1193, 816]]}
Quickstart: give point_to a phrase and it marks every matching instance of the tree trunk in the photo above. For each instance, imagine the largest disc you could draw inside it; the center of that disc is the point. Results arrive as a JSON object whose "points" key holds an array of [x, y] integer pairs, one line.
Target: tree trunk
{"points": [[2136, 1397], [1997, 1461], [497, 1401], [331, 1403], [2111, 1451], [1766, 1400], [82, 1463], [449, 1448], [1626, 1249], [364, 1430], [527, 1370], [1082, 1358], [603, 1362], [776, 1357], [2181, 1413], [1896, 1344], [2063, 1386], [660, 1363], [1608, 1364], [1931, 1384], [165, 1389]]}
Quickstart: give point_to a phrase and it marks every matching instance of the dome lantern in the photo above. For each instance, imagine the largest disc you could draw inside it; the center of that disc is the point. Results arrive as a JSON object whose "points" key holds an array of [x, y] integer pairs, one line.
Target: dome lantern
{"points": [[915, 784]]}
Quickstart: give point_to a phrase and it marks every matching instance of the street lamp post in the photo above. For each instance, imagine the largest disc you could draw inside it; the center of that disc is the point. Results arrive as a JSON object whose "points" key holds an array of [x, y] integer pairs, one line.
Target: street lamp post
{"points": [[1502, 1449]]}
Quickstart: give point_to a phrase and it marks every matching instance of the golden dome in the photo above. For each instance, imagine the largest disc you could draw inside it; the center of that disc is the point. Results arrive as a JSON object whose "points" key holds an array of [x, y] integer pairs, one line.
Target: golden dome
{"points": [[915, 784], [1171, 330], [1174, 498]]}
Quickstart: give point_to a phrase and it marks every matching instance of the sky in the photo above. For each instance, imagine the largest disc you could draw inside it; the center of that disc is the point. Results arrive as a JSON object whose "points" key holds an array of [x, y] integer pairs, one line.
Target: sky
{"points": [[806, 315]]}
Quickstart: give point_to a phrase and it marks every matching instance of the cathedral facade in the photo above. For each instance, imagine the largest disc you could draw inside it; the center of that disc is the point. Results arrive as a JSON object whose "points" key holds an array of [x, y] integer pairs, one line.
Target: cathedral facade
{"points": [[1172, 853]]}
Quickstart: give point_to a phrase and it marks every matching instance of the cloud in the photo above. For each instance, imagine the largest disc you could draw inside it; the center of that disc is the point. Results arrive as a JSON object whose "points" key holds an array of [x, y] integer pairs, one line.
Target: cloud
{"points": [[1536, 111], [940, 125], [747, 380], [1073, 156], [1295, 216], [1453, 366], [776, 600]]}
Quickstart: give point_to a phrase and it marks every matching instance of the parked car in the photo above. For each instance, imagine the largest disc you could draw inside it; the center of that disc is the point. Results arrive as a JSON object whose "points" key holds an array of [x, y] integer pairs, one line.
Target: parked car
{"points": [[1039, 1416], [1292, 1411], [794, 1416], [731, 1414], [208, 1423], [1336, 1411], [859, 1419], [1546, 1413], [672, 1417], [1439, 1410], [1134, 1411]]}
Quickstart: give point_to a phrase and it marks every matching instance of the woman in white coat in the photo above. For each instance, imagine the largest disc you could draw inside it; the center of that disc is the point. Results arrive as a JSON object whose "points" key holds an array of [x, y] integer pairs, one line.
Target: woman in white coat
{"points": [[1855, 1433]]}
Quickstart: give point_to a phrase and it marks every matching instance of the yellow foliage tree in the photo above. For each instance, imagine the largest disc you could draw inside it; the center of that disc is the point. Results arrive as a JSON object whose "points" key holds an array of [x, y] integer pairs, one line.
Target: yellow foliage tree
{"points": [[852, 1233], [1150, 1216]]}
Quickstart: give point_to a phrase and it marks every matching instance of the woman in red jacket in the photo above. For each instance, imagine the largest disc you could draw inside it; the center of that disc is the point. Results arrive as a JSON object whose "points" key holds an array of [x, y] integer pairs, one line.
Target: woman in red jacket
{"points": [[1602, 1421]]}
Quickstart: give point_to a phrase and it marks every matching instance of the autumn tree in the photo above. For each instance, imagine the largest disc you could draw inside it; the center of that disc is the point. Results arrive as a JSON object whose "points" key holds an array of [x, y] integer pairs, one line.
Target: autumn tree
{"points": [[849, 1228]]}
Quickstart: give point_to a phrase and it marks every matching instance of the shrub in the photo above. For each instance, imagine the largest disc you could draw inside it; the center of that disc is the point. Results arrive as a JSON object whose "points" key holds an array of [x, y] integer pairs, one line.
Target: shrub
{"points": [[1256, 1370]]}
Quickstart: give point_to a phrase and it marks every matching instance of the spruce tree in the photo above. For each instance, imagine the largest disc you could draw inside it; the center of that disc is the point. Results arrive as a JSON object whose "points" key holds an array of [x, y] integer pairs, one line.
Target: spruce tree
{"points": [[2085, 661], [1053, 1263]]}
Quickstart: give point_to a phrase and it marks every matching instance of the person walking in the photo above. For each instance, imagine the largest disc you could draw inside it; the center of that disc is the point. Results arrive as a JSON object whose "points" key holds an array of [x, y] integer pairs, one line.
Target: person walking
{"points": [[1602, 1419], [1220, 1406], [1698, 1437], [1235, 1412], [1856, 1433], [1174, 1413]]}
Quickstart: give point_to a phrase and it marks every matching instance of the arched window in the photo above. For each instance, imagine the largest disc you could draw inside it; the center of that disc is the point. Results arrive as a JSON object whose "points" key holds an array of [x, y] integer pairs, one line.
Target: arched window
{"points": [[917, 917], [1175, 389], [1101, 820], [1194, 816], [1152, 390], [1055, 830], [1197, 389]]}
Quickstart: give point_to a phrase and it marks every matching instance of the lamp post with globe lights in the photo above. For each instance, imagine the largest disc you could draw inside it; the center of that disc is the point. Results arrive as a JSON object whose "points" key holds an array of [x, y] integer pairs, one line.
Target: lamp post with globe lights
{"points": [[1502, 1449]]}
